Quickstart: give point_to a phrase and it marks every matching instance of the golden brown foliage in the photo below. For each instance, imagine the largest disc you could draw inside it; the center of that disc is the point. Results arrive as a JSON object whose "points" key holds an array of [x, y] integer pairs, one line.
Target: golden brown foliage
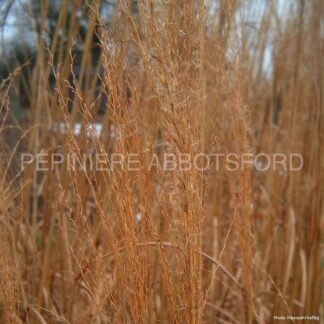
{"points": [[147, 246]]}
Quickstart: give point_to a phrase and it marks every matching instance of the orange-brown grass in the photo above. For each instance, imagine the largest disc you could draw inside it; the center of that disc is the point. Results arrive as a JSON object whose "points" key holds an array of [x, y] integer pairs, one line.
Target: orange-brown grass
{"points": [[211, 246]]}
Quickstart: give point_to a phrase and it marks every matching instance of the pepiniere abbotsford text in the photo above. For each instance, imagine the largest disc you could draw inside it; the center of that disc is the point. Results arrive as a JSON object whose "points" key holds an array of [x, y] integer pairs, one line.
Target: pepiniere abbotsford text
{"points": [[164, 162]]}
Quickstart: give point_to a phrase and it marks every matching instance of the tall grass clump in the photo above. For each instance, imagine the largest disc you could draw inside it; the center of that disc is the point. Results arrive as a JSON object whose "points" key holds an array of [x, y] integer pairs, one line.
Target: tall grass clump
{"points": [[127, 241]]}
